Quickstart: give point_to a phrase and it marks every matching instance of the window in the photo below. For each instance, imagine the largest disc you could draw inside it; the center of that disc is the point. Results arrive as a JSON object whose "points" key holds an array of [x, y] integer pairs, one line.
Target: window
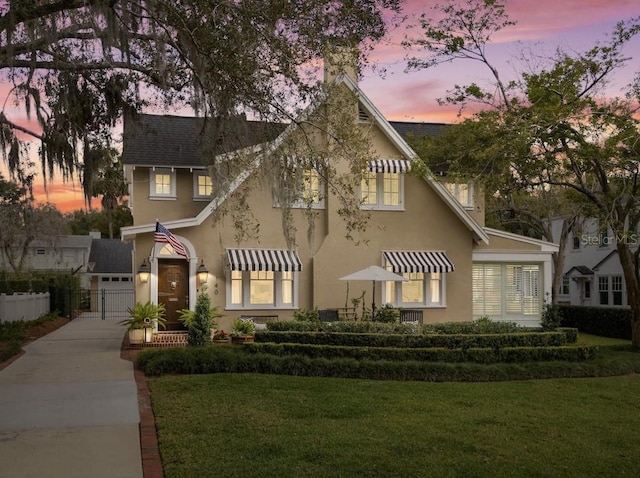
{"points": [[423, 289], [162, 184], [462, 192], [262, 278], [616, 290], [381, 190], [587, 289], [41, 252], [506, 289], [312, 194], [576, 241], [262, 289], [564, 289], [610, 290], [202, 185]]}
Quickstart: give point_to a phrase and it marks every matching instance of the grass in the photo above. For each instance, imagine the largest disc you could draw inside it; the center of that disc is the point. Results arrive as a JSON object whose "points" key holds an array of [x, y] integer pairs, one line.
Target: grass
{"points": [[247, 425]]}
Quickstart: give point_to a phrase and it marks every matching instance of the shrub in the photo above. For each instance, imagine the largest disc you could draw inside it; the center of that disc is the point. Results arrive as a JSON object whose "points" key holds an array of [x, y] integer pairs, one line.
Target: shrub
{"points": [[614, 322], [483, 325], [203, 320], [386, 314], [304, 315], [526, 339], [353, 327], [551, 318], [243, 327]]}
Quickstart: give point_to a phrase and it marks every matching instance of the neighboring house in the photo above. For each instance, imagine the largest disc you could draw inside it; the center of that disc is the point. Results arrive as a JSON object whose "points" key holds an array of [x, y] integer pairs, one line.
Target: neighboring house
{"points": [[110, 274], [592, 272], [457, 268], [63, 253]]}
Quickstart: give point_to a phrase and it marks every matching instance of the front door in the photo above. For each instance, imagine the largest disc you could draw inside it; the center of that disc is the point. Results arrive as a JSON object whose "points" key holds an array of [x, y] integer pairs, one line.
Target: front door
{"points": [[173, 289]]}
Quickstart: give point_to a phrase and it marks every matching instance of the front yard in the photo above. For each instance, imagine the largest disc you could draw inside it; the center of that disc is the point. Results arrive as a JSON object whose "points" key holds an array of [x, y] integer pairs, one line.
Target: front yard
{"points": [[246, 425]]}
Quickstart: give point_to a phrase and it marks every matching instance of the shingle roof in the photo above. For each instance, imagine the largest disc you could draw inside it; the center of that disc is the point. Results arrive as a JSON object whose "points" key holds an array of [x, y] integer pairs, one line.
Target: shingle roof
{"points": [[174, 141], [416, 130], [177, 141], [110, 256]]}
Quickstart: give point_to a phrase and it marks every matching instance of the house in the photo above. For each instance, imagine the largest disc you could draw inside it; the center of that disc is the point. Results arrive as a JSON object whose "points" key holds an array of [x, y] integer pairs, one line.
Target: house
{"points": [[63, 253], [592, 273], [430, 232], [110, 275]]}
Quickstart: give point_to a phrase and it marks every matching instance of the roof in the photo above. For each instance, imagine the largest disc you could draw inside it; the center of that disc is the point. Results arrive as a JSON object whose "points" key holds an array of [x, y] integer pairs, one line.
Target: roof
{"points": [[176, 141], [605, 259], [583, 270], [110, 256], [417, 130], [65, 242], [393, 135]]}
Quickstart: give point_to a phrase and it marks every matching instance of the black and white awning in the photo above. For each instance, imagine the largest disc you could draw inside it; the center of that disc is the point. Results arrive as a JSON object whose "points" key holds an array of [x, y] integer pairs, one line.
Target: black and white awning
{"points": [[418, 261], [276, 260], [389, 166]]}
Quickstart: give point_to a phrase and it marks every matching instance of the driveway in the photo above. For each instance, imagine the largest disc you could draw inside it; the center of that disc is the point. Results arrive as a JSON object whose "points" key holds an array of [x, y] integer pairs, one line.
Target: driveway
{"points": [[68, 406]]}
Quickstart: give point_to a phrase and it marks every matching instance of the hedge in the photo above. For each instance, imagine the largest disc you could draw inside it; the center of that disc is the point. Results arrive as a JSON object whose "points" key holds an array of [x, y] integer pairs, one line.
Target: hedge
{"points": [[223, 359], [465, 341], [477, 355], [614, 322]]}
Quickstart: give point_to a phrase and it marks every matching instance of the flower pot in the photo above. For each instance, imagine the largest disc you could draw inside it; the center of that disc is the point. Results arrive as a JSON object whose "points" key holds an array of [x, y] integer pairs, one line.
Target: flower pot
{"points": [[136, 336], [241, 339]]}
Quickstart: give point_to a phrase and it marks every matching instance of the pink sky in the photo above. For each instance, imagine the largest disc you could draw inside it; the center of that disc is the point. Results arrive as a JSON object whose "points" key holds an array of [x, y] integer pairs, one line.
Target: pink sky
{"points": [[542, 25]]}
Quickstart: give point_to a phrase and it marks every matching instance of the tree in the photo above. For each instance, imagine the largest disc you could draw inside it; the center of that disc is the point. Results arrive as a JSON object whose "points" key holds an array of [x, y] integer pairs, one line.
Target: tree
{"points": [[556, 131], [110, 183], [81, 222], [78, 66], [22, 222]]}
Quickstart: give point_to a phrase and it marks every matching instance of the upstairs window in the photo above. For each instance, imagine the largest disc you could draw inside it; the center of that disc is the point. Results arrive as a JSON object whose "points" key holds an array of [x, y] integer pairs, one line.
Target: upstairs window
{"points": [[382, 185], [312, 190], [162, 183], [462, 192], [202, 185]]}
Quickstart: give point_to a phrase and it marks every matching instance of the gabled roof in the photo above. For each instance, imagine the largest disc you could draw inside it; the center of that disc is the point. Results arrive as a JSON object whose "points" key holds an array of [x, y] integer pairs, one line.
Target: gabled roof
{"points": [[545, 246], [395, 136], [110, 256], [605, 259], [582, 270], [176, 141]]}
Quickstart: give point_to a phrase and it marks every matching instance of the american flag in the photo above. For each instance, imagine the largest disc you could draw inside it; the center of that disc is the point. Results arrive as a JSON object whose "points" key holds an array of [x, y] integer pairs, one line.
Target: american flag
{"points": [[163, 234]]}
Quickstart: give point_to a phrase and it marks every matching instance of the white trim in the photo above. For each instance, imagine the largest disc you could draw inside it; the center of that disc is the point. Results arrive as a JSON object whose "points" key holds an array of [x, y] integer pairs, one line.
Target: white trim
{"points": [[153, 194], [545, 246]]}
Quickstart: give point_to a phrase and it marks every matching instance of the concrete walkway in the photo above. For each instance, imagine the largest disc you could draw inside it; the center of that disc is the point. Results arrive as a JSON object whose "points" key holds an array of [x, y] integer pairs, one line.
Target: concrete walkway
{"points": [[69, 408]]}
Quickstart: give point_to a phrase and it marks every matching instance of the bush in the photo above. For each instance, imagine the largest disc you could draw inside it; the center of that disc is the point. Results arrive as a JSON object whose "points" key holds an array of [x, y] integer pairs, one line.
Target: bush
{"points": [[614, 322], [200, 327], [478, 355], [483, 325], [386, 314], [353, 327], [304, 315], [451, 341]]}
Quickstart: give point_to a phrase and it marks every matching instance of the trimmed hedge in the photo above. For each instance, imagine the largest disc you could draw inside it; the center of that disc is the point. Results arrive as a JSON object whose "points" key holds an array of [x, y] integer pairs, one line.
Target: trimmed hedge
{"points": [[459, 341], [223, 359], [614, 322], [477, 355]]}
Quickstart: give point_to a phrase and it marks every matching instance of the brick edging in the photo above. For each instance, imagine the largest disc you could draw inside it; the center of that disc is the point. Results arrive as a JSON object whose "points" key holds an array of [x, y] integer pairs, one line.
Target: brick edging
{"points": [[149, 451]]}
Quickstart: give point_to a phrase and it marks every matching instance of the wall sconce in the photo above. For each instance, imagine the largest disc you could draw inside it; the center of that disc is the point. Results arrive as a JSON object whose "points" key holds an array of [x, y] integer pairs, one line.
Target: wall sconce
{"points": [[144, 271], [202, 272]]}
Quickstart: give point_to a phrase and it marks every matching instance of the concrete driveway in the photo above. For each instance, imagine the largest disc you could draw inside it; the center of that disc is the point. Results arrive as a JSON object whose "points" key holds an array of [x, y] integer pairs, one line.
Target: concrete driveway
{"points": [[68, 406]]}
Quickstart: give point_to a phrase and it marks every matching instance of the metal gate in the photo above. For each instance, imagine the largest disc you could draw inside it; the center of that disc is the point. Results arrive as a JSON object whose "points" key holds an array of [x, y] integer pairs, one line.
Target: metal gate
{"points": [[104, 304]]}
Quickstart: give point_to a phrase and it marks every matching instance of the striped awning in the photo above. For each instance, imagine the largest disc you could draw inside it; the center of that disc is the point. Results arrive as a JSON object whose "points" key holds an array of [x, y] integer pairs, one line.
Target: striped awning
{"points": [[389, 166], [418, 261], [276, 260]]}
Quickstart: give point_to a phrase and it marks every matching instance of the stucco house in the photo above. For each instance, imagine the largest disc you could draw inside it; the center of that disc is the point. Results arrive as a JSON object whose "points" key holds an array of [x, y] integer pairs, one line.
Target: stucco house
{"points": [[430, 232]]}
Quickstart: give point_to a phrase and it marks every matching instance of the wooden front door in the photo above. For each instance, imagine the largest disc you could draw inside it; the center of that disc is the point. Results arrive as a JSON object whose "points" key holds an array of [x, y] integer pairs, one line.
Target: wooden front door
{"points": [[173, 289]]}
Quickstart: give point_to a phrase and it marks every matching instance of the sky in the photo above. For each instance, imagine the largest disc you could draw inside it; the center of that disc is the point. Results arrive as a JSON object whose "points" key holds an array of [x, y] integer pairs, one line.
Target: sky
{"points": [[542, 26]]}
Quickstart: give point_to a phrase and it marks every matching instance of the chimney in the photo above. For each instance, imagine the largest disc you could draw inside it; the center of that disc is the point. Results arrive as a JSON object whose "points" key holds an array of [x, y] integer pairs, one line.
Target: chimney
{"points": [[340, 59]]}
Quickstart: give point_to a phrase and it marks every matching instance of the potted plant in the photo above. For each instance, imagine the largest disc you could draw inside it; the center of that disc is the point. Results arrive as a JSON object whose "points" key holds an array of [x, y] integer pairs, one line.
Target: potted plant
{"points": [[142, 316], [220, 336], [242, 331]]}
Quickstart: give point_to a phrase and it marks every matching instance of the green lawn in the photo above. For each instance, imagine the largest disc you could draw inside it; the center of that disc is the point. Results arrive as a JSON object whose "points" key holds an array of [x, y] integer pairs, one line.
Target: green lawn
{"points": [[279, 426]]}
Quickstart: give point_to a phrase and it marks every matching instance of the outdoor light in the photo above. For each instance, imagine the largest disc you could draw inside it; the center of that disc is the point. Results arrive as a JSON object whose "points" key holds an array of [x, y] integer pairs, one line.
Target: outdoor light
{"points": [[203, 273], [143, 271], [148, 334]]}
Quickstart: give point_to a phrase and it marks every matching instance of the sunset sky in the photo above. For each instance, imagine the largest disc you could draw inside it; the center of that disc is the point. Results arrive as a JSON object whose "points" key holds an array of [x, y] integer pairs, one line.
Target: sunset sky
{"points": [[542, 26]]}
